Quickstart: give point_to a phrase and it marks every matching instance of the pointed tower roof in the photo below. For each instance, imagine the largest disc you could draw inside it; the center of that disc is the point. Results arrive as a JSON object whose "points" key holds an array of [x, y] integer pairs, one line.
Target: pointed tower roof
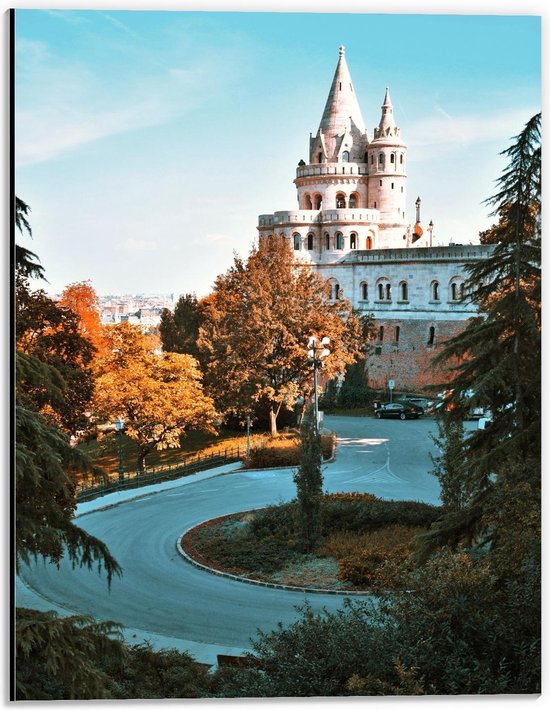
{"points": [[342, 103], [387, 129]]}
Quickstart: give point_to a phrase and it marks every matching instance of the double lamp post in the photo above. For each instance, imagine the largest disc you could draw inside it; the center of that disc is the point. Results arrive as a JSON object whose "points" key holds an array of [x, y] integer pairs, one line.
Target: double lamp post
{"points": [[317, 351]]}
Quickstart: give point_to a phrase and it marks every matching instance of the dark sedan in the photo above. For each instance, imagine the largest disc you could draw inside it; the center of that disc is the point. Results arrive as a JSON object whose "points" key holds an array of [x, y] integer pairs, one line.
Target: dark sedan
{"points": [[398, 410]]}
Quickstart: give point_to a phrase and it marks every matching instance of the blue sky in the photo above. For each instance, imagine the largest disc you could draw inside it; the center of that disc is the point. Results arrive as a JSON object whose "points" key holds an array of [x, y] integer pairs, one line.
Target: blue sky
{"points": [[148, 142]]}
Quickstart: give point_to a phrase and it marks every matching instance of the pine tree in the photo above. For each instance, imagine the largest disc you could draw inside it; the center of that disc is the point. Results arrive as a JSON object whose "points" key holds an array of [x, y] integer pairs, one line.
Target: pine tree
{"points": [[499, 353], [309, 483]]}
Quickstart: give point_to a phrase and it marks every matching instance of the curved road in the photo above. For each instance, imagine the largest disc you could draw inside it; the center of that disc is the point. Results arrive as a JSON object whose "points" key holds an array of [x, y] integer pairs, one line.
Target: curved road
{"points": [[163, 595]]}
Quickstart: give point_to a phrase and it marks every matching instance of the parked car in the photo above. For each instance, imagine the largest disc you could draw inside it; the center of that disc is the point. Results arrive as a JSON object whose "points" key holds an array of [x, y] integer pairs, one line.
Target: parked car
{"points": [[420, 402], [398, 410]]}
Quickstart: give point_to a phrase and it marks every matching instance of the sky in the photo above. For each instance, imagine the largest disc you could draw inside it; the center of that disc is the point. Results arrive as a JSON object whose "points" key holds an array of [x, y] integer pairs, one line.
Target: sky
{"points": [[148, 142]]}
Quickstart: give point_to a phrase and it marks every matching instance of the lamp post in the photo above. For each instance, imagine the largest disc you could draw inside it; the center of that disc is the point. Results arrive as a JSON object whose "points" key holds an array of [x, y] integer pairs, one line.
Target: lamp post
{"points": [[316, 352], [119, 425]]}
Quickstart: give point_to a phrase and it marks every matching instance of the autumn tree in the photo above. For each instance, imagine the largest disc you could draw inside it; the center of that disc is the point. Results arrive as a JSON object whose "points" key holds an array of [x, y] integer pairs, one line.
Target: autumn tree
{"points": [[159, 397], [82, 299], [256, 327], [179, 331]]}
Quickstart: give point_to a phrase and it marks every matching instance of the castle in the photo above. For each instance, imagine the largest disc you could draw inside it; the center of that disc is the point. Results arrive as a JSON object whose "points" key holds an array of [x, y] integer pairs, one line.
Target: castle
{"points": [[351, 225]]}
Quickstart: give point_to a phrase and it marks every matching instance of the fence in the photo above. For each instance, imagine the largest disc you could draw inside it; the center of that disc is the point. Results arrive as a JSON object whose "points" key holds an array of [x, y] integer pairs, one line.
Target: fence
{"points": [[87, 490]]}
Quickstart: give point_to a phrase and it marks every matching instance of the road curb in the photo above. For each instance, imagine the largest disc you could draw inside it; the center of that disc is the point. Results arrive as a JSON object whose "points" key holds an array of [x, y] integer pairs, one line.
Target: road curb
{"points": [[258, 582]]}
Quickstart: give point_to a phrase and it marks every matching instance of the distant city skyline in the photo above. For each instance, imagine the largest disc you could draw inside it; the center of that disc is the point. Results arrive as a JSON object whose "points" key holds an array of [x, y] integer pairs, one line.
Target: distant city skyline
{"points": [[149, 142]]}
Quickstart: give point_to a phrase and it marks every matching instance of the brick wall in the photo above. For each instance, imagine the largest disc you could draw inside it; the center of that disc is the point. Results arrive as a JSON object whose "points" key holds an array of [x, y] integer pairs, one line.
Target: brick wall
{"points": [[408, 360]]}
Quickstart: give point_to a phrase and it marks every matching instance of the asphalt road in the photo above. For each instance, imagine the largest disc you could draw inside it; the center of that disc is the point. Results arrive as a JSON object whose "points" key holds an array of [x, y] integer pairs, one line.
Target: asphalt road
{"points": [[160, 593]]}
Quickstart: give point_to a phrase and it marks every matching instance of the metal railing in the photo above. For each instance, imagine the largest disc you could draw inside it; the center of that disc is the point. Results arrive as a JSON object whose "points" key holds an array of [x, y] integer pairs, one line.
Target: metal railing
{"points": [[87, 490]]}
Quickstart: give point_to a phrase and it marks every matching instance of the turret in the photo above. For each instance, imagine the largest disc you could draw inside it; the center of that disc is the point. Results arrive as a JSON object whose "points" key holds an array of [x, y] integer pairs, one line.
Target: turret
{"points": [[387, 174]]}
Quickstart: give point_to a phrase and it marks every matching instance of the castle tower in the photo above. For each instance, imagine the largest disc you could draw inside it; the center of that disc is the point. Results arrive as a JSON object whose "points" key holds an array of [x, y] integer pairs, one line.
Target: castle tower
{"points": [[388, 178]]}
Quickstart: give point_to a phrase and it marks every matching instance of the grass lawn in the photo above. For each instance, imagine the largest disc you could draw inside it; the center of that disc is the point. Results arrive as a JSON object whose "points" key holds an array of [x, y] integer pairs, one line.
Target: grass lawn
{"points": [[104, 451]]}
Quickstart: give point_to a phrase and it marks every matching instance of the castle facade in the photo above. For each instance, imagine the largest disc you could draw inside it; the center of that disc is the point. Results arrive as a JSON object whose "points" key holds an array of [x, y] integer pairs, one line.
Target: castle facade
{"points": [[351, 225]]}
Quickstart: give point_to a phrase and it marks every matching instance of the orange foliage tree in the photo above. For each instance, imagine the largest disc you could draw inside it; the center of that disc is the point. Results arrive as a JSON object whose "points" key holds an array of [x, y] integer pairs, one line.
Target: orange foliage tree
{"points": [[159, 397], [82, 299]]}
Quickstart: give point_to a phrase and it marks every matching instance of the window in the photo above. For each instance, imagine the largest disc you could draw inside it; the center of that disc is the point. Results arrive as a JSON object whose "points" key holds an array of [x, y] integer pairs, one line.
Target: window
{"points": [[369, 242], [327, 241], [392, 158], [339, 240], [383, 288], [431, 336], [364, 292], [381, 333], [366, 158], [404, 291], [353, 200], [353, 241], [296, 242], [335, 291], [340, 201], [345, 156], [372, 159], [462, 292], [380, 183], [435, 291], [310, 242], [375, 204], [401, 159], [392, 186], [307, 202], [381, 159], [318, 202], [397, 333], [320, 158]]}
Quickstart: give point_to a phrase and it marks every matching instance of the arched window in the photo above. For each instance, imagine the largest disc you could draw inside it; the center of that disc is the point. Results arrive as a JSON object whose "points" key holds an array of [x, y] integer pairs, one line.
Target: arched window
{"points": [[383, 289], [320, 157], [401, 159], [327, 241], [296, 242], [372, 158], [461, 291], [345, 156], [369, 242], [366, 157], [453, 292], [381, 159], [334, 290], [404, 291], [397, 333], [435, 290], [353, 241], [340, 201], [310, 242], [353, 201], [339, 240], [431, 335], [392, 158], [364, 292], [307, 202], [318, 201]]}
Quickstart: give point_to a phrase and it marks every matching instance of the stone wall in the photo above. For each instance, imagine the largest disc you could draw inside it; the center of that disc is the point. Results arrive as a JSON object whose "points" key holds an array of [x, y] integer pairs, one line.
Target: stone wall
{"points": [[408, 360]]}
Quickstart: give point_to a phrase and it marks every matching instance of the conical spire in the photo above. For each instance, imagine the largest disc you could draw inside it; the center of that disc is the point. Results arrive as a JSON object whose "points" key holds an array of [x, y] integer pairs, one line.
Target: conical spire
{"points": [[387, 120], [341, 103]]}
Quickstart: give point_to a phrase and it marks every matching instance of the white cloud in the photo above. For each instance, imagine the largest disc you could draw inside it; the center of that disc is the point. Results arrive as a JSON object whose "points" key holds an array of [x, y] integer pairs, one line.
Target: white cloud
{"points": [[131, 244], [443, 133]]}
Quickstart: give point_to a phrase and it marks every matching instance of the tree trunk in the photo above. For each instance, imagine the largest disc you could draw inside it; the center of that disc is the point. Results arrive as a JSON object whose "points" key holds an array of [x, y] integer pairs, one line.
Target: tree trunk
{"points": [[273, 421], [142, 453]]}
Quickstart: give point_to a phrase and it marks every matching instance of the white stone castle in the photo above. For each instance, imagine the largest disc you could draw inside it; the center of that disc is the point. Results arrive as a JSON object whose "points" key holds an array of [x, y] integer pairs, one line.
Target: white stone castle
{"points": [[351, 225]]}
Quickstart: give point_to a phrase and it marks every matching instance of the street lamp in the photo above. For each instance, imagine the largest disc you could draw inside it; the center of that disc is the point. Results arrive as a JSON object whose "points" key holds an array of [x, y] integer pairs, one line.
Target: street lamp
{"points": [[316, 352], [119, 426]]}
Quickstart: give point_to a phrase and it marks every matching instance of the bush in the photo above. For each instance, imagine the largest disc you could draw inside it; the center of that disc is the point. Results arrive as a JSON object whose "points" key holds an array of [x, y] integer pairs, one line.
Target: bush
{"points": [[283, 451]]}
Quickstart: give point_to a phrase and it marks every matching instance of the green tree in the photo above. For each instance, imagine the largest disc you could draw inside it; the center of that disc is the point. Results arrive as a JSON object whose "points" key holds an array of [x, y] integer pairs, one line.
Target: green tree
{"points": [[499, 353], [179, 331], [25, 260], [256, 328], [309, 483], [449, 465]]}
